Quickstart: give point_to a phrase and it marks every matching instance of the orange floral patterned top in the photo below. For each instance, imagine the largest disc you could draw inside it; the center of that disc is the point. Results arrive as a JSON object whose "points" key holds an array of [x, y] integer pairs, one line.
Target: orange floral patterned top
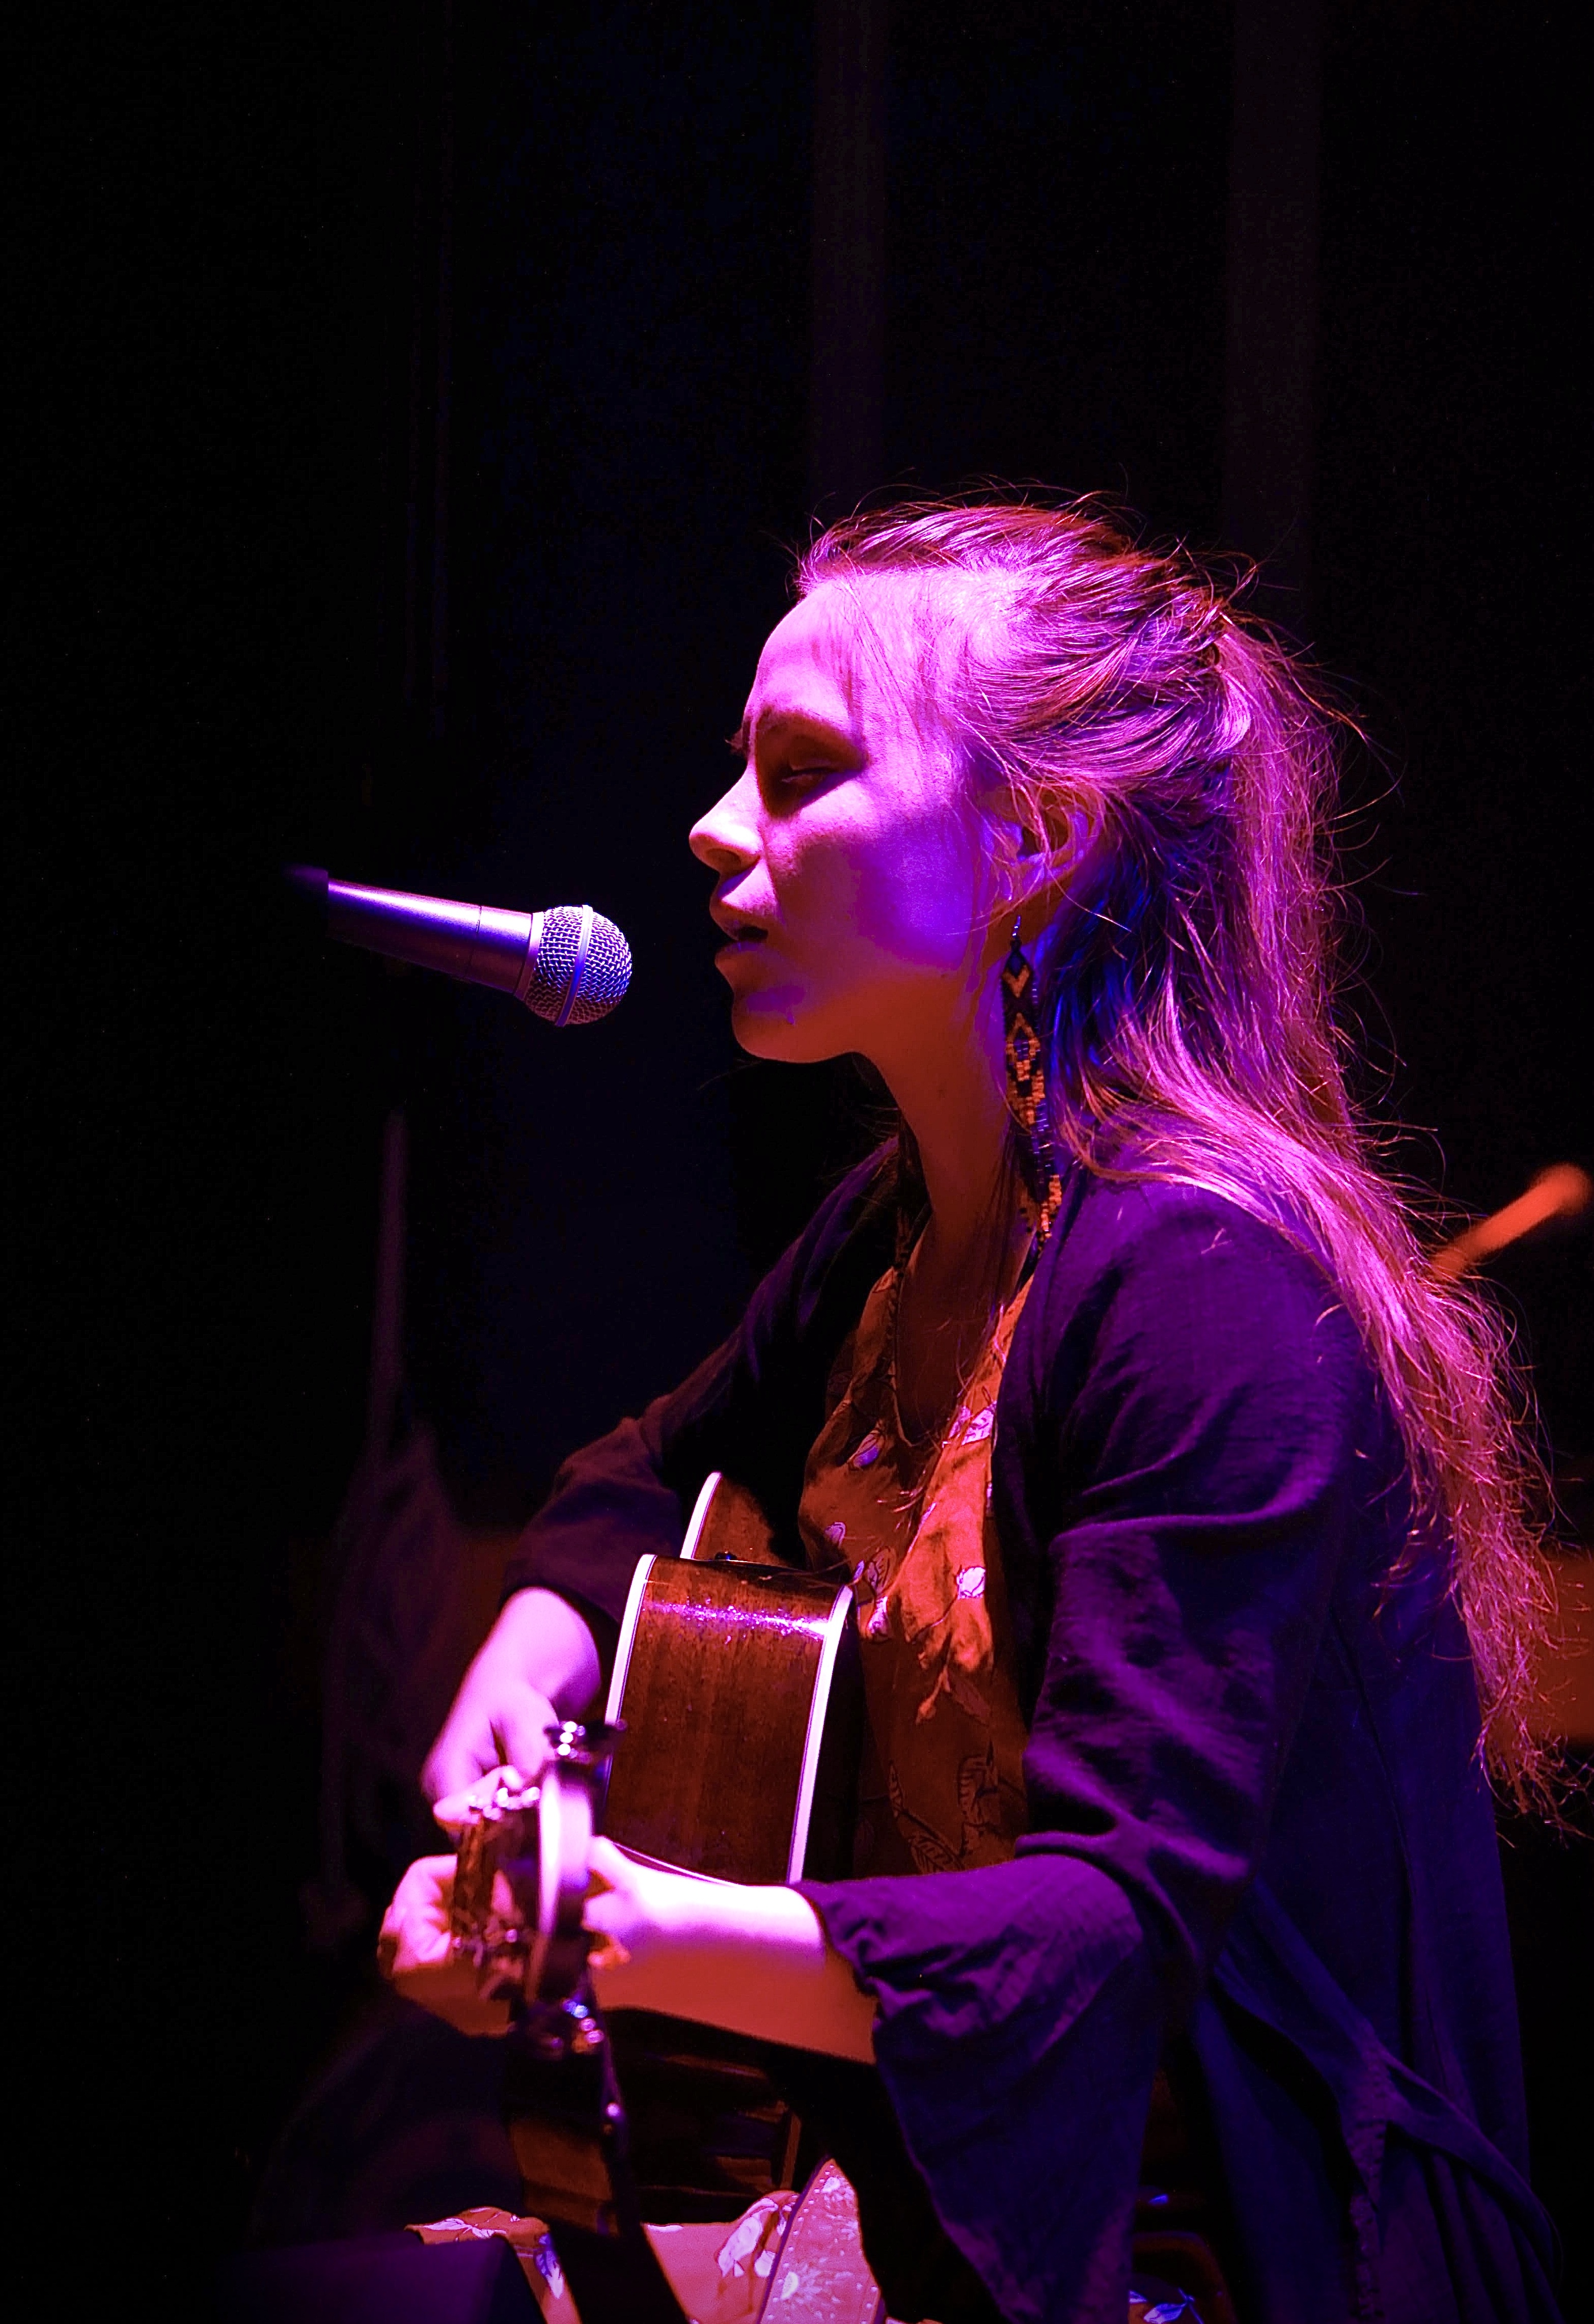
{"points": [[943, 1782]]}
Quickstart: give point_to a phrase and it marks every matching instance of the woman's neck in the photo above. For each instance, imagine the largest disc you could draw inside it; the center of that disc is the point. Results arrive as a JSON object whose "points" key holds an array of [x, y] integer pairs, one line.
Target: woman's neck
{"points": [[951, 1092]]}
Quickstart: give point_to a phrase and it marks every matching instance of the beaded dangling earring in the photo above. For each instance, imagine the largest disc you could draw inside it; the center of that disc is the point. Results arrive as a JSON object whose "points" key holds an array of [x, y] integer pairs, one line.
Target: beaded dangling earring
{"points": [[1042, 1188]]}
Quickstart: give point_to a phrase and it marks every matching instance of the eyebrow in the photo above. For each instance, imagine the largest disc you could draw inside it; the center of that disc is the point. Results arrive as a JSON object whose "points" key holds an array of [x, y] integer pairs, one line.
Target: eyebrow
{"points": [[777, 717]]}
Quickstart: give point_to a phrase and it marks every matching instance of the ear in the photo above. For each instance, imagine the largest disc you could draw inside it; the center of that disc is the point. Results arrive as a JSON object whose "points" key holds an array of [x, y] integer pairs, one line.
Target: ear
{"points": [[1048, 869], [1005, 848]]}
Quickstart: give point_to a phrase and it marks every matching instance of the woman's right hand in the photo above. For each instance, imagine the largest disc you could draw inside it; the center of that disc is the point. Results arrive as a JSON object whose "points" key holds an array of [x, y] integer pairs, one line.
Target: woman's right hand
{"points": [[753, 1960], [539, 1665]]}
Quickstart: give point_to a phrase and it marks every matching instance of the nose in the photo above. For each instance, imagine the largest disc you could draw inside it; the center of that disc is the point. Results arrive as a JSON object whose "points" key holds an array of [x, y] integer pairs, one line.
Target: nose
{"points": [[726, 838]]}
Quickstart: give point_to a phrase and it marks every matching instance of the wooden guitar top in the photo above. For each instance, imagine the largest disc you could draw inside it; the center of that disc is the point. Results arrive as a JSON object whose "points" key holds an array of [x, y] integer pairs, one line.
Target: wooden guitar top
{"points": [[726, 1679]]}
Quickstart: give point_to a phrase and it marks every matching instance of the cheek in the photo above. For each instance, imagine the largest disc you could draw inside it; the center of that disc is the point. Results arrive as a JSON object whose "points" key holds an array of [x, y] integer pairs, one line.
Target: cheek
{"points": [[916, 898], [817, 882], [872, 896]]}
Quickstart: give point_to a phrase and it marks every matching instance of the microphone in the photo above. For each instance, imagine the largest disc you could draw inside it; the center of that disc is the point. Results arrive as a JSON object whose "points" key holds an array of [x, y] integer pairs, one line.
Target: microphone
{"points": [[569, 964]]}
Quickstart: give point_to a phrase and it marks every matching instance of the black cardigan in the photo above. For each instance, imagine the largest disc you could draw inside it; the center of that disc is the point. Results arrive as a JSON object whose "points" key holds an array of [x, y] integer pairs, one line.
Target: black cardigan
{"points": [[1260, 1838]]}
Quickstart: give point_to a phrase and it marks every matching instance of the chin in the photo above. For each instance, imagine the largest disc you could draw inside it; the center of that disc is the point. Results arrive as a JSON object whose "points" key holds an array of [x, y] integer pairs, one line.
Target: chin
{"points": [[763, 1030]]}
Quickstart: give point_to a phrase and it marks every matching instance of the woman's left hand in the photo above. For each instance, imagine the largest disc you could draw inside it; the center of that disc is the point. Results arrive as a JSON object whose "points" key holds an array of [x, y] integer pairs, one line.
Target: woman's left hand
{"points": [[415, 1954]]}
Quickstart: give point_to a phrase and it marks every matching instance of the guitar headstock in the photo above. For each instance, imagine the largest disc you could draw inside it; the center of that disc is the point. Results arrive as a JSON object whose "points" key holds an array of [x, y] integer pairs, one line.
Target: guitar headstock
{"points": [[521, 1876]]}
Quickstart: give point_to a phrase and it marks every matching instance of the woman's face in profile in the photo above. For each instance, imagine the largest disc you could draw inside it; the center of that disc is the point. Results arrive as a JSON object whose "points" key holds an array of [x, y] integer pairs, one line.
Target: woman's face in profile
{"points": [[848, 858]]}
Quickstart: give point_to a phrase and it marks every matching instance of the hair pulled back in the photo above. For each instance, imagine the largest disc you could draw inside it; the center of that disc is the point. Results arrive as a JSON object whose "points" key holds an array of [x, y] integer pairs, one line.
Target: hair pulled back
{"points": [[1173, 771]]}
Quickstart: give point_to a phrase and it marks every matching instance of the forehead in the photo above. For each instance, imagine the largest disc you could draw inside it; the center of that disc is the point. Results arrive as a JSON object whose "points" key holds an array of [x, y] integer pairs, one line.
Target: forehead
{"points": [[809, 664], [848, 653], [865, 649]]}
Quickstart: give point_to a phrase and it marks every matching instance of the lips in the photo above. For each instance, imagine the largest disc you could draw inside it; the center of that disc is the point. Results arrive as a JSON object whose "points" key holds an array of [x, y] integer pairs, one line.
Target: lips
{"points": [[744, 942], [736, 928]]}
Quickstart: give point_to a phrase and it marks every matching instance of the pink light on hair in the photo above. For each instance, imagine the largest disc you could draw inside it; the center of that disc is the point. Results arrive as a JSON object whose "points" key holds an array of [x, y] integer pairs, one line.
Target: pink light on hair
{"points": [[1175, 779]]}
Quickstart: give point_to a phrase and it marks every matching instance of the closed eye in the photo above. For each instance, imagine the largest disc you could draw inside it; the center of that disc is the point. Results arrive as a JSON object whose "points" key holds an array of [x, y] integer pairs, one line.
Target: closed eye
{"points": [[802, 779], [781, 743]]}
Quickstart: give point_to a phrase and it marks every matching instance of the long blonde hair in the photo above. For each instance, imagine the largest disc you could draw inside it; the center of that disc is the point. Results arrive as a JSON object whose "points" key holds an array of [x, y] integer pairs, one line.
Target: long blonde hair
{"points": [[1165, 753]]}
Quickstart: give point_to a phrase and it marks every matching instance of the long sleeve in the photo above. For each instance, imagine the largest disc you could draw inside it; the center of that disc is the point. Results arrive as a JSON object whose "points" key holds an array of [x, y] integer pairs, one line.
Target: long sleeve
{"points": [[1206, 1440], [1176, 1476]]}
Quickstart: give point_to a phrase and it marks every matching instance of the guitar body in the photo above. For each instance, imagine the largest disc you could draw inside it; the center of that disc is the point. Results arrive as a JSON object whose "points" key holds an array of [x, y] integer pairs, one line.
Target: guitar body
{"points": [[736, 1683]]}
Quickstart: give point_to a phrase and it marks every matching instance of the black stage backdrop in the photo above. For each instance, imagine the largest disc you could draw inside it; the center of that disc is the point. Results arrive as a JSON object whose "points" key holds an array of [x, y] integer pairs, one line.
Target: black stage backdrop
{"points": [[430, 402]]}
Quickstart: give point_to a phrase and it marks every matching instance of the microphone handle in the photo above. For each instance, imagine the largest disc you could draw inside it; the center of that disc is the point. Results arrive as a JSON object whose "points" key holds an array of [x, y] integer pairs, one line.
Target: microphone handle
{"points": [[477, 942]]}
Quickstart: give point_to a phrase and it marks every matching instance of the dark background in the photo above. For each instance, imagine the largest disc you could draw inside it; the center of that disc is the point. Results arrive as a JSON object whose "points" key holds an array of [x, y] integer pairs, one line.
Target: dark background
{"points": [[430, 406]]}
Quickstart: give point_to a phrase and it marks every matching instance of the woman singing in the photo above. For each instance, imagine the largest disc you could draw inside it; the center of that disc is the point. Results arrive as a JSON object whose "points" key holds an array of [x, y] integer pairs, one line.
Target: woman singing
{"points": [[1193, 1578]]}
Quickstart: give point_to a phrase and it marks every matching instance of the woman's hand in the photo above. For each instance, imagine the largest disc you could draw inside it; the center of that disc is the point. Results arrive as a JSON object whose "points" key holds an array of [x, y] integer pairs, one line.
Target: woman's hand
{"points": [[457, 1809], [538, 1665], [644, 1917], [754, 1961], [413, 1950]]}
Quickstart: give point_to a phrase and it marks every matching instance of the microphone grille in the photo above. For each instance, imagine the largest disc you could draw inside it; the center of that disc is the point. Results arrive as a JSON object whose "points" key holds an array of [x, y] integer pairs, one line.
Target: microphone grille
{"points": [[583, 966]]}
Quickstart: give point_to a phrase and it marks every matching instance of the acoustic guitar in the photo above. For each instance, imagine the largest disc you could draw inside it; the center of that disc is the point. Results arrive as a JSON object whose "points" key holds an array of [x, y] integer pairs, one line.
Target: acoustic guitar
{"points": [[728, 1748]]}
